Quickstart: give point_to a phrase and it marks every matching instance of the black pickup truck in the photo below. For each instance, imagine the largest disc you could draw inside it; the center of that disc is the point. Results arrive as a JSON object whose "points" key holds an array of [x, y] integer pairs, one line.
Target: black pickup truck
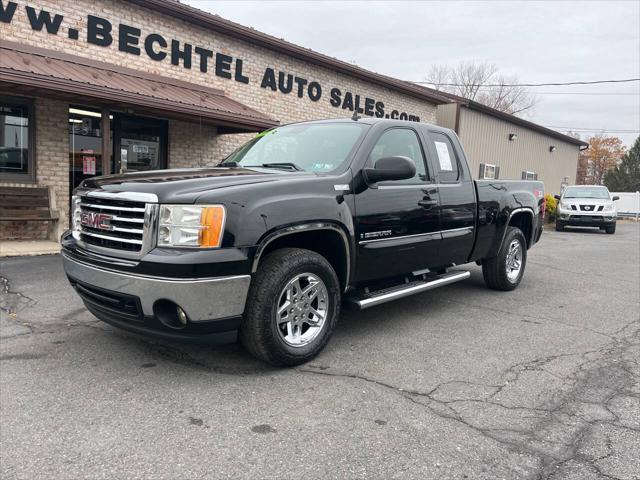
{"points": [[297, 222]]}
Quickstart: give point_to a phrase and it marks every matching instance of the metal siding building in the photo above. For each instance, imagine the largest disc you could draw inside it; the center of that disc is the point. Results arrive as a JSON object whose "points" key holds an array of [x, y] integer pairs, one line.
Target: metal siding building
{"points": [[485, 134]]}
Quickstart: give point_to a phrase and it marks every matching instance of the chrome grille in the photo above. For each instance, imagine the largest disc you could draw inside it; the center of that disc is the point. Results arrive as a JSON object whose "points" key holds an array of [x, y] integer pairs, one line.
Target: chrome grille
{"points": [[113, 224]]}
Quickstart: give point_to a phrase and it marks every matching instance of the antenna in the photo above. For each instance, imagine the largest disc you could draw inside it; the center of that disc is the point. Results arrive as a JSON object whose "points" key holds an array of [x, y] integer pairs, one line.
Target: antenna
{"points": [[355, 116]]}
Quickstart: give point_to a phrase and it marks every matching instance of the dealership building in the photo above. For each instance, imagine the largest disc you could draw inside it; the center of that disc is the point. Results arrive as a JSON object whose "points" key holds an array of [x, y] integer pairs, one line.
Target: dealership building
{"points": [[92, 87]]}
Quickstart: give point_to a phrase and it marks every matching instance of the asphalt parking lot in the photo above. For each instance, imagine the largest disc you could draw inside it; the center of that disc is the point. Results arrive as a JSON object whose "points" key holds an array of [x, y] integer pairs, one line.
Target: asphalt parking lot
{"points": [[460, 382]]}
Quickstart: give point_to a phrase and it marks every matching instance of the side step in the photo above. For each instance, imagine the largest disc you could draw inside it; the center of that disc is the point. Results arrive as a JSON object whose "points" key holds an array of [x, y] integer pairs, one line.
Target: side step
{"points": [[417, 286]]}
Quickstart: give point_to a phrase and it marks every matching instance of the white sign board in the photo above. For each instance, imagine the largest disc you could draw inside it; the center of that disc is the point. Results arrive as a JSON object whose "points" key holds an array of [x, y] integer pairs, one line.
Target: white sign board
{"points": [[444, 157]]}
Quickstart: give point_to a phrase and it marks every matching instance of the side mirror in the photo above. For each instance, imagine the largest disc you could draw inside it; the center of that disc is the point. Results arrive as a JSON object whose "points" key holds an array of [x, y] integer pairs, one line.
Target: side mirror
{"points": [[557, 197], [390, 168], [615, 198]]}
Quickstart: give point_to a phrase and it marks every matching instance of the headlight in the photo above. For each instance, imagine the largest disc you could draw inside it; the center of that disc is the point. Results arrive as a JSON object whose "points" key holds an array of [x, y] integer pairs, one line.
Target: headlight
{"points": [[191, 226], [75, 215], [565, 206], [609, 208]]}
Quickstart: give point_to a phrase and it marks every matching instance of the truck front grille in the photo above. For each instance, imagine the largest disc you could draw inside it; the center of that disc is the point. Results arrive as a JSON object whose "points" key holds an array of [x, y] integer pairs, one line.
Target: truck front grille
{"points": [[113, 224]]}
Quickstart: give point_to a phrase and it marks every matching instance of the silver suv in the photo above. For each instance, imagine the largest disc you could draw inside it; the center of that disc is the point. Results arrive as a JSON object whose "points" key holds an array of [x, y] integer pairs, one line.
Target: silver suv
{"points": [[586, 206]]}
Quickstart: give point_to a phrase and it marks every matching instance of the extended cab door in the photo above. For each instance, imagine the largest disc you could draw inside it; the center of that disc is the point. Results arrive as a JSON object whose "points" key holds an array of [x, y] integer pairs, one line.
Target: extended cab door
{"points": [[397, 222], [457, 198]]}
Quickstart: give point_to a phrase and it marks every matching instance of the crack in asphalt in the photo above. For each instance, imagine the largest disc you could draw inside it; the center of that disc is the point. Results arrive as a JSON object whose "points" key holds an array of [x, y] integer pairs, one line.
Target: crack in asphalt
{"points": [[11, 302], [609, 368]]}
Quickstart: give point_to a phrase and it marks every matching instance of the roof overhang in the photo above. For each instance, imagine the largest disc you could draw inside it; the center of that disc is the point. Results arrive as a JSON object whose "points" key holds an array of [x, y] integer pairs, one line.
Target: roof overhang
{"points": [[35, 71]]}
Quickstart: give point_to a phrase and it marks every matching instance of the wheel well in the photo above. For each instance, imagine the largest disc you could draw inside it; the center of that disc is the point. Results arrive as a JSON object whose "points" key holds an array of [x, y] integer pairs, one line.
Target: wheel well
{"points": [[327, 243], [524, 222]]}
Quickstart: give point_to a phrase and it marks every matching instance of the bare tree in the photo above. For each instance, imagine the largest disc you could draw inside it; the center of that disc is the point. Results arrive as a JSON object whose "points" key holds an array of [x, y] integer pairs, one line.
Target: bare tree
{"points": [[469, 80]]}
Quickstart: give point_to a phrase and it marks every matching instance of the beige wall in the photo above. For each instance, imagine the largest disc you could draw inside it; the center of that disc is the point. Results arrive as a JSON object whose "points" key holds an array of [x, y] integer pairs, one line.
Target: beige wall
{"points": [[446, 115], [486, 140]]}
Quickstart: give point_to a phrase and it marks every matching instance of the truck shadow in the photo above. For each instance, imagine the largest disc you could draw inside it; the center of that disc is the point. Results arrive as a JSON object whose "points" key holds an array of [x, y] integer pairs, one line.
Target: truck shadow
{"points": [[397, 318]]}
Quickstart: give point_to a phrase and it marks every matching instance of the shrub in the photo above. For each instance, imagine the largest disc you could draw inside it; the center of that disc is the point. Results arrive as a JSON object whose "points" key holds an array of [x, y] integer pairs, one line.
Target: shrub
{"points": [[550, 208]]}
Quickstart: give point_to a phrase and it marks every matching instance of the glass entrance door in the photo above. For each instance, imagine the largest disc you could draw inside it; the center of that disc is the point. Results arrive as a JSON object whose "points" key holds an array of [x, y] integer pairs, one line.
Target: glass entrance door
{"points": [[85, 144], [140, 143]]}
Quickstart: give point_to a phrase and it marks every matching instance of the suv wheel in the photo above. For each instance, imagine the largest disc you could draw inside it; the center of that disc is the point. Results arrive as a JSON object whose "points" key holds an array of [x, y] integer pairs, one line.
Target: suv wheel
{"points": [[505, 271], [292, 307], [559, 226], [611, 230]]}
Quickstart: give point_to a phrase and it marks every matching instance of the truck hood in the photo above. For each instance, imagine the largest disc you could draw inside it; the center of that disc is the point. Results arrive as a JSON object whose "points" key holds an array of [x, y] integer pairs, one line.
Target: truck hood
{"points": [[186, 185]]}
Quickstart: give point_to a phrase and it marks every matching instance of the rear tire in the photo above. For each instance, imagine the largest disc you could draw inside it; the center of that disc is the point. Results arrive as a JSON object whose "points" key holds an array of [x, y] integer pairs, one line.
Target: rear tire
{"points": [[290, 277], [505, 270], [559, 226], [611, 230]]}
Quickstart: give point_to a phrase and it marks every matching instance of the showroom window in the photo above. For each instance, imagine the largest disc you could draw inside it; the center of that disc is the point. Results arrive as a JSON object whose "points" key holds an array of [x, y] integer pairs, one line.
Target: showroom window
{"points": [[16, 140]]}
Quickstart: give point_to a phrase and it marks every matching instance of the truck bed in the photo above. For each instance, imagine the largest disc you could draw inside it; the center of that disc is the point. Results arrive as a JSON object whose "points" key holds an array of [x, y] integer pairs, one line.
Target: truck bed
{"points": [[496, 200]]}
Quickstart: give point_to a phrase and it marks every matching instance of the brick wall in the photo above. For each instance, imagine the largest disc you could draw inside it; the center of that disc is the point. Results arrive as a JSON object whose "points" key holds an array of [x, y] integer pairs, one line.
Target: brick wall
{"points": [[189, 143], [52, 169], [283, 107]]}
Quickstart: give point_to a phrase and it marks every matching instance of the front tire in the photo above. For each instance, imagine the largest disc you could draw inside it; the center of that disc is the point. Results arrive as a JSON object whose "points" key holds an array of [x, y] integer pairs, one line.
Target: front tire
{"points": [[611, 230], [505, 270], [292, 307], [559, 226]]}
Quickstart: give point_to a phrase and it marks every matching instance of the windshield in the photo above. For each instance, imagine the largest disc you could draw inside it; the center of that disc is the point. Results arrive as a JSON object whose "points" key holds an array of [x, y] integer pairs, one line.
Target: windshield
{"points": [[320, 147], [586, 192]]}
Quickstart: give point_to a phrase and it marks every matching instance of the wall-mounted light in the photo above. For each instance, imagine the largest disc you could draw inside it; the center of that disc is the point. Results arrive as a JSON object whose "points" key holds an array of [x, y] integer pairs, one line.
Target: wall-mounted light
{"points": [[553, 148], [512, 137]]}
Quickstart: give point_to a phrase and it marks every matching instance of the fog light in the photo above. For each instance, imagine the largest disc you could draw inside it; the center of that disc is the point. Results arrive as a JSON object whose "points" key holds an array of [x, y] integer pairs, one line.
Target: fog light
{"points": [[182, 316]]}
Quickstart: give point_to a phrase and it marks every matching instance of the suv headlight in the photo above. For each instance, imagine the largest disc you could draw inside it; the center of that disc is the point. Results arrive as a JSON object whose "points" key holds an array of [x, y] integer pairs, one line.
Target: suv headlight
{"points": [[565, 206], [191, 225], [609, 208]]}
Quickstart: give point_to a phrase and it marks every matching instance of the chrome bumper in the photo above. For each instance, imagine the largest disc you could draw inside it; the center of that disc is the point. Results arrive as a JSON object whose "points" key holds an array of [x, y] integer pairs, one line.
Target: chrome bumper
{"points": [[201, 298]]}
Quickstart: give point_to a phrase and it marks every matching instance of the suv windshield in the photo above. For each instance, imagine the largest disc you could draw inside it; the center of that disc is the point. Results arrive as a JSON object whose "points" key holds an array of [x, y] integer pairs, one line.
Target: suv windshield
{"points": [[586, 192], [320, 147]]}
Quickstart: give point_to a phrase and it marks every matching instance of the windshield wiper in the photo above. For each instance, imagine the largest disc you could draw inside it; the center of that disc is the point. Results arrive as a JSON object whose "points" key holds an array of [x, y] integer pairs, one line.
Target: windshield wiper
{"points": [[280, 165]]}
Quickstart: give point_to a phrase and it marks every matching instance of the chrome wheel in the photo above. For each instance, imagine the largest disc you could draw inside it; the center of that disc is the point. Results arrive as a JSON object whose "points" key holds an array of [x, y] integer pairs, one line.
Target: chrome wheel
{"points": [[513, 263], [303, 307]]}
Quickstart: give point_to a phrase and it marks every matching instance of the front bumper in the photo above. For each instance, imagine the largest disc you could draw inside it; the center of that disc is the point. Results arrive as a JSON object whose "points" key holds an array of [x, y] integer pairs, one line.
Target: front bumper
{"points": [[213, 305], [590, 219]]}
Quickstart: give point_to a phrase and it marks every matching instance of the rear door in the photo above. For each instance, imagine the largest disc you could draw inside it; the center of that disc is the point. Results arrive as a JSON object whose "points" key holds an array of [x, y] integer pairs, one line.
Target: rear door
{"points": [[457, 198], [398, 221]]}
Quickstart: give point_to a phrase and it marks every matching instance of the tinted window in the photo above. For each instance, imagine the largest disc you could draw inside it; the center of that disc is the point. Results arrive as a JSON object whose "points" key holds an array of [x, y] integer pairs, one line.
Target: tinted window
{"points": [[586, 192], [321, 148], [401, 142], [446, 161], [14, 139]]}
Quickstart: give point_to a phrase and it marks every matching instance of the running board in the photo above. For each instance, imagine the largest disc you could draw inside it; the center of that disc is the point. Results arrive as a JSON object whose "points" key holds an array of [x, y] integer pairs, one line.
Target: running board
{"points": [[393, 293]]}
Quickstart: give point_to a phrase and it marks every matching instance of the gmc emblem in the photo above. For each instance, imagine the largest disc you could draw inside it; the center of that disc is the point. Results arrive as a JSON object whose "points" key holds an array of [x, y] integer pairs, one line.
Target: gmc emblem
{"points": [[101, 221]]}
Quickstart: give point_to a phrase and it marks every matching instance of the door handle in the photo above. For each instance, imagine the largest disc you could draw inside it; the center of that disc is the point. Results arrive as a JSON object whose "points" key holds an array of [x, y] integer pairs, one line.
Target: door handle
{"points": [[428, 204]]}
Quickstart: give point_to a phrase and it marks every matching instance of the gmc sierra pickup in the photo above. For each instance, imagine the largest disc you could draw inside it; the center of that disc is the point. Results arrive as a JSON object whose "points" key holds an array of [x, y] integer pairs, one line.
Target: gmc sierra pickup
{"points": [[300, 220]]}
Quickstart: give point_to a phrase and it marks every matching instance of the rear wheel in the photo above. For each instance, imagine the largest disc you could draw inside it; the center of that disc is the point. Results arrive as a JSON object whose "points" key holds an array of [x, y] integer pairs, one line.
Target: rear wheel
{"points": [[292, 307], [611, 230], [505, 270]]}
